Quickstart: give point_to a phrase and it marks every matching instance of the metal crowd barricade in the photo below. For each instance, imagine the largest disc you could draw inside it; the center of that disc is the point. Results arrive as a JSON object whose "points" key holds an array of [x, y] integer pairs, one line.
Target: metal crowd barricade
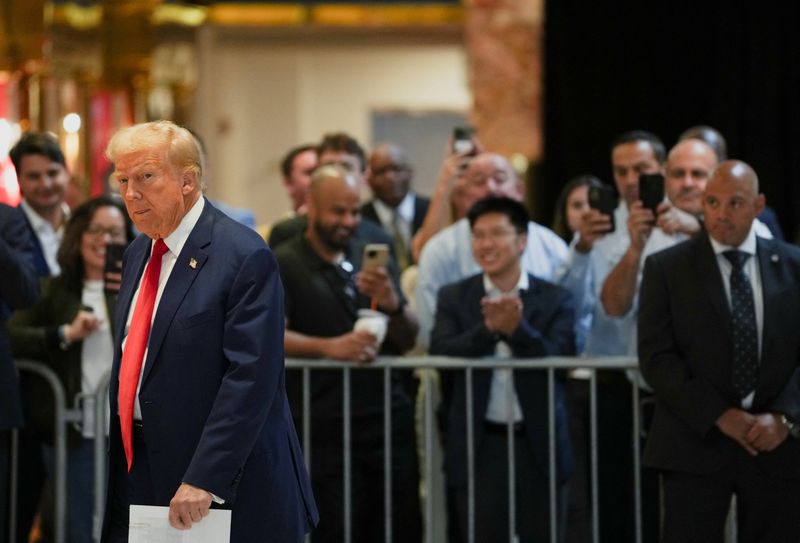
{"points": [[550, 365], [62, 417]]}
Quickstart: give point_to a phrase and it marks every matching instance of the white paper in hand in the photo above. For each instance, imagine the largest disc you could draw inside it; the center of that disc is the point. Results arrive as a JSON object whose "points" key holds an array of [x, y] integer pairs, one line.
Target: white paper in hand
{"points": [[150, 524]]}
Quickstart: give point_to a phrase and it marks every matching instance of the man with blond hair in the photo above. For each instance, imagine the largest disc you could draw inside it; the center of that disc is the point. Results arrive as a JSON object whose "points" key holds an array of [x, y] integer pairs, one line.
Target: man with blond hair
{"points": [[199, 414]]}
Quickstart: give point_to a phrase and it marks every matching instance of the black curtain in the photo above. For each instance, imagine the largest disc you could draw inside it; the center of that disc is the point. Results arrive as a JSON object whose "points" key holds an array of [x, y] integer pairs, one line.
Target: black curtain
{"points": [[663, 67]]}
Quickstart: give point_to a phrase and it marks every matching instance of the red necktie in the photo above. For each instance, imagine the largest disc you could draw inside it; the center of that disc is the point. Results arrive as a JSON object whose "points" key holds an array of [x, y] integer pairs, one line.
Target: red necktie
{"points": [[136, 345]]}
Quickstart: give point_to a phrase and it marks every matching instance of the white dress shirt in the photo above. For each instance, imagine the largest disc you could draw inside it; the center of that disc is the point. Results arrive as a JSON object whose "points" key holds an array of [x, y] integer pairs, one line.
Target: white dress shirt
{"points": [[753, 273], [49, 238], [502, 383]]}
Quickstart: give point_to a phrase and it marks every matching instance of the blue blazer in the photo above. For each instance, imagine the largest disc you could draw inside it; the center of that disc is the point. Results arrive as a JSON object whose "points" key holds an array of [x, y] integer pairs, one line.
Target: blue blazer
{"points": [[19, 287], [547, 329], [37, 253], [212, 394]]}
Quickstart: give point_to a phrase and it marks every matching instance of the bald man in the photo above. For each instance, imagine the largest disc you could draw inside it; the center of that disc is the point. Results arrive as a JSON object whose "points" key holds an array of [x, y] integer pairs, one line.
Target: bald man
{"points": [[395, 207], [689, 166], [718, 342], [324, 290]]}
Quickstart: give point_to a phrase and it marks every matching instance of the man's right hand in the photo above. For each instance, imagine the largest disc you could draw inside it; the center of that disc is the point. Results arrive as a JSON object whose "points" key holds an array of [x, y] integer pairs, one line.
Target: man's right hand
{"points": [[358, 346], [594, 225], [640, 224], [736, 424]]}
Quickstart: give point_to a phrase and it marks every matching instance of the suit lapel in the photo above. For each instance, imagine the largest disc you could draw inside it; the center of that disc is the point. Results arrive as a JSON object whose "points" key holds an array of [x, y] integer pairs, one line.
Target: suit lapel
{"points": [[188, 264], [769, 262], [529, 304], [476, 294], [135, 259], [711, 279]]}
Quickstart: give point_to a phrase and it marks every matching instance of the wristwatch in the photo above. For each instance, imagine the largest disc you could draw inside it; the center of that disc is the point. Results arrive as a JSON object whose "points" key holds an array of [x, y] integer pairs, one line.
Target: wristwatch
{"points": [[63, 342], [793, 427]]}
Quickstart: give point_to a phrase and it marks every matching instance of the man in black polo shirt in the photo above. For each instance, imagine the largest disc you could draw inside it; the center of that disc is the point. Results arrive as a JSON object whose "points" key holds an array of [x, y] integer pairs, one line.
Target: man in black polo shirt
{"points": [[324, 289]]}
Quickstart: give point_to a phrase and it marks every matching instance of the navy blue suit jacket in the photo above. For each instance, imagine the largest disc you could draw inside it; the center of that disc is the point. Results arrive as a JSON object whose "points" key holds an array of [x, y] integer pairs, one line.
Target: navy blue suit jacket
{"points": [[212, 394], [686, 353], [19, 287], [37, 253], [547, 329]]}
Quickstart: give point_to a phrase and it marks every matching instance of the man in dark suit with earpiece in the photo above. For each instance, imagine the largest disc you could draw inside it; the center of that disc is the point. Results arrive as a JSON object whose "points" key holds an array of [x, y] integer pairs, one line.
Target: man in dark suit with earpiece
{"points": [[719, 344]]}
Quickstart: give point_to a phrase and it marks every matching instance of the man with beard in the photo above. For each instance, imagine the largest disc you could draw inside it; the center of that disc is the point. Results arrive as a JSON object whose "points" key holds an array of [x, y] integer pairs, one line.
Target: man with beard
{"points": [[324, 289]]}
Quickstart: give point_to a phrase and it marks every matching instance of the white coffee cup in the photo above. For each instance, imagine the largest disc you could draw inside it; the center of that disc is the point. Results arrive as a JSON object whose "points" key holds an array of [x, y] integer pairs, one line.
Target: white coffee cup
{"points": [[374, 322]]}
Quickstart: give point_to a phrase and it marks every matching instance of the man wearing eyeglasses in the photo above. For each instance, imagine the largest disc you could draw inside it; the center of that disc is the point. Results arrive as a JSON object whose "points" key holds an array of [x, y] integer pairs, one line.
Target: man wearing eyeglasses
{"points": [[504, 312]]}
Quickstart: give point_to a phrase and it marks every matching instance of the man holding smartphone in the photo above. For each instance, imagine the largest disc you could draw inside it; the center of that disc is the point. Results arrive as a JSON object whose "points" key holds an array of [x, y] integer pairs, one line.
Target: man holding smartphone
{"points": [[326, 283], [632, 154]]}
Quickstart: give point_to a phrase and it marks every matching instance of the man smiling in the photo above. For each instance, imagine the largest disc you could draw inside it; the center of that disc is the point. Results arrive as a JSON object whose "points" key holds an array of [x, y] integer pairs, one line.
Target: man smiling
{"points": [[504, 312]]}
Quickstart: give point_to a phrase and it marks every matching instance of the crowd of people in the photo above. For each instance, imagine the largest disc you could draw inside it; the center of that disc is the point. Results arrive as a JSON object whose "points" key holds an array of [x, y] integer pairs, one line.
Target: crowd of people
{"points": [[696, 284]]}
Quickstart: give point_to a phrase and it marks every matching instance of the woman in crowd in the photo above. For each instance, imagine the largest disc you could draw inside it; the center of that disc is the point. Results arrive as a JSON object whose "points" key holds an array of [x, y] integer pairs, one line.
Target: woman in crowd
{"points": [[572, 203], [70, 331]]}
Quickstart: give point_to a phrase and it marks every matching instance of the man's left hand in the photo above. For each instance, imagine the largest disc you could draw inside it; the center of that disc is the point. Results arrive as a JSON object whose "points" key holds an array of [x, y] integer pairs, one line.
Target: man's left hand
{"points": [[767, 433], [189, 505], [377, 285]]}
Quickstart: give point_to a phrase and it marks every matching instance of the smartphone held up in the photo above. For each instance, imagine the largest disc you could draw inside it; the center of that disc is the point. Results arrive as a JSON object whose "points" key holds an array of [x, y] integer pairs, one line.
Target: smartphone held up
{"points": [[375, 255], [651, 190], [112, 271], [463, 144], [603, 199]]}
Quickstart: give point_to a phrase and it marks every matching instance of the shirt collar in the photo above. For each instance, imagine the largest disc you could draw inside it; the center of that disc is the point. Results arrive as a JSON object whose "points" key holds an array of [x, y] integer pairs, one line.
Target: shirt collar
{"points": [[492, 290], [37, 221], [748, 245], [405, 209], [177, 239]]}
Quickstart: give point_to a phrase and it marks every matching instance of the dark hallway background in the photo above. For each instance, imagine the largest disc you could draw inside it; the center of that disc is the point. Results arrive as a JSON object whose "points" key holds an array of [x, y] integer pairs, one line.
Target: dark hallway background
{"points": [[665, 66]]}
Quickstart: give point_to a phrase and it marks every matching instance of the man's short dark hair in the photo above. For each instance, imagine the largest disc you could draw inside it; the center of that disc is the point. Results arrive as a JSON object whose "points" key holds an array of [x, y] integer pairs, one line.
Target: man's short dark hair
{"points": [[36, 143], [659, 151], [341, 142], [288, 159], [514, 210]]}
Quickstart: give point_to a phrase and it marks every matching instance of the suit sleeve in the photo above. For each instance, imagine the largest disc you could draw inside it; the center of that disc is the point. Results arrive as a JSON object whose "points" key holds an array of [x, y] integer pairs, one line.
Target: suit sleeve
{"points": [[19, 286], [253, 348], [788, 400], [556, 338], [451, 337], [33, 332], [691, 399]]}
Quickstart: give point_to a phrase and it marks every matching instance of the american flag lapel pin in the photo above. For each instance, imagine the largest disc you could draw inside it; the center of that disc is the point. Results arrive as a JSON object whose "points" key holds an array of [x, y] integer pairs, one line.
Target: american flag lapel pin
{"points": [[192, 263]]}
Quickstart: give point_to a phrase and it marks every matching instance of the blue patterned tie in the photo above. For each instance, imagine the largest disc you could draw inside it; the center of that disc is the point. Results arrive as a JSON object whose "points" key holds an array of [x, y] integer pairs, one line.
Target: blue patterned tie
{"points": [[743, 321]]}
